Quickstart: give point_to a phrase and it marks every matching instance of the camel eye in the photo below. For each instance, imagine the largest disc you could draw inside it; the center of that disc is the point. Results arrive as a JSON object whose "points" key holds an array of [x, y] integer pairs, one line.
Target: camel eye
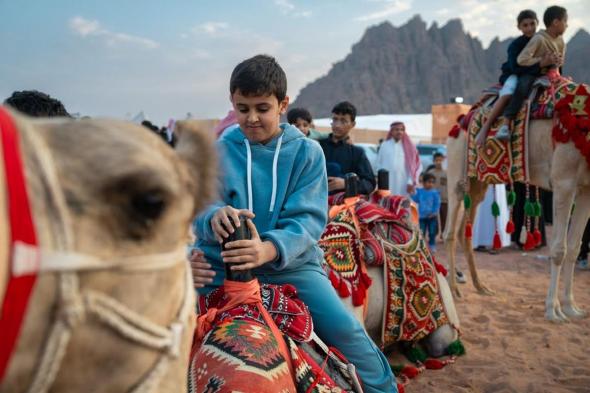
{"points": [[148, 205]]}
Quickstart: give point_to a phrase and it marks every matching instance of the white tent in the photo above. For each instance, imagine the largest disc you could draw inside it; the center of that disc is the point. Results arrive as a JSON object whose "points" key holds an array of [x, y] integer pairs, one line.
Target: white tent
{"points": [[418, 126]]}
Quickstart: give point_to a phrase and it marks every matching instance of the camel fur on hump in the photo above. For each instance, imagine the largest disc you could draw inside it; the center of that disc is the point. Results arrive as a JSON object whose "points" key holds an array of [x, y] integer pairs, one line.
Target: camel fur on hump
{"points": [[561, 169], [108, 192]]}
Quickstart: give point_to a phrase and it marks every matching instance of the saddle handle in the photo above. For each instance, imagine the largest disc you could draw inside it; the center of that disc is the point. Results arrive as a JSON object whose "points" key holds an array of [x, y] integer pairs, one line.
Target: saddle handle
{"points": [[240, 233]]}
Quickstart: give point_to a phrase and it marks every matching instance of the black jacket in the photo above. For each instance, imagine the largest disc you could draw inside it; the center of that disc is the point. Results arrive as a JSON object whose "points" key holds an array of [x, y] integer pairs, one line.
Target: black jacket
{"points": [[351, 158], [511, 66]]}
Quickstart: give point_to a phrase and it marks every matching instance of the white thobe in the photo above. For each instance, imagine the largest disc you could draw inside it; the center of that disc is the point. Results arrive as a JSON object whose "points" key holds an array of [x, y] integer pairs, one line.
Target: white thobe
{"points": [[483, 227], [391, 157]]}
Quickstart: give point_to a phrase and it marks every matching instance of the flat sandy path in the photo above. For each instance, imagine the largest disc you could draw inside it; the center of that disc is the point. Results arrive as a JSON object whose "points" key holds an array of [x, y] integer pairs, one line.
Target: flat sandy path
{"points": [[510, 346]]}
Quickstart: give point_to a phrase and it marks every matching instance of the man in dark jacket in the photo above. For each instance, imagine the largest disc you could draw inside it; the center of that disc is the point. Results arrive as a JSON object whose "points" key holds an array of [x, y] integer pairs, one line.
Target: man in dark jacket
{"points": [[343, 157]]}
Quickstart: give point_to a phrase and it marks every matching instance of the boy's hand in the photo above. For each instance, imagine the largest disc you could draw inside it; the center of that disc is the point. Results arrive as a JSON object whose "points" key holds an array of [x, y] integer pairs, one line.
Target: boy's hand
{"points": [[220, 222], [335, 183], [249, 253], [202, 272], [411, 189]]}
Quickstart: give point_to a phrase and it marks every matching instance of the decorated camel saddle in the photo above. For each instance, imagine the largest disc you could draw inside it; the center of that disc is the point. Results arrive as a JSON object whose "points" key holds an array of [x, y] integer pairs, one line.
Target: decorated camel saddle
{"points": [[259, 338], [552, 97], [95, 288], [373, 243]]}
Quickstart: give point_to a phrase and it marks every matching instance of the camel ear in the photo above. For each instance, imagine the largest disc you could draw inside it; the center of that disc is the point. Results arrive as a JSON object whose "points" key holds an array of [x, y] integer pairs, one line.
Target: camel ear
{"points": [[195, 147]]}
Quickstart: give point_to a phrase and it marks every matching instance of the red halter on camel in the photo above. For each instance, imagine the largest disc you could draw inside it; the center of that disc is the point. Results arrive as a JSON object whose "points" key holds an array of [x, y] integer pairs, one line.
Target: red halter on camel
{"points": [[23, 256]]}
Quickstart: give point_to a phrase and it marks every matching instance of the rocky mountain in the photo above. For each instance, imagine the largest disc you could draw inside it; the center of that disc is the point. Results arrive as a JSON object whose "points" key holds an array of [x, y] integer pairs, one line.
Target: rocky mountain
{"points": [[406, 69]]}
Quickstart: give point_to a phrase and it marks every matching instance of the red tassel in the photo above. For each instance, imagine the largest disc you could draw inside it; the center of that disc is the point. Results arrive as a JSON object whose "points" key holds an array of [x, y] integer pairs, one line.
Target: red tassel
{"points": [[538, 237], [366, 280], [358, 295], [343, 290], [510, 228], [400, 388], [434, 364], [454, 132], [530, 242], [410, 371], [440, 268], [334, 279], [497, 241], [468, 231]]}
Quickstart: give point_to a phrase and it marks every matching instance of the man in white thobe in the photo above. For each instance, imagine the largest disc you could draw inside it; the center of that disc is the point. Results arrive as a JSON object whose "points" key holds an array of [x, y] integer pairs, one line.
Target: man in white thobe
{"points": [[392, 157]]}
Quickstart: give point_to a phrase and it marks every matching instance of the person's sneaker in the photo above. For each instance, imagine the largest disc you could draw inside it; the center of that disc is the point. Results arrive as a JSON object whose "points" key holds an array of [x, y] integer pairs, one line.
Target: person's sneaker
{"points": [[582, 264], [503, 134], [460, 277]]}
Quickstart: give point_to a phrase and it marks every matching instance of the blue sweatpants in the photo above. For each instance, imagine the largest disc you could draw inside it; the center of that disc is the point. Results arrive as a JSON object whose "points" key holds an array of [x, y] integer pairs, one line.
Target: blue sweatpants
{"points": [[337, 327]]}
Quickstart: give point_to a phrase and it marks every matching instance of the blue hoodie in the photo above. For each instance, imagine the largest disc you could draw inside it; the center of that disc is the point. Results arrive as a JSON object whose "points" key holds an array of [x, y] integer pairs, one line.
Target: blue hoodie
{"points": [[285, 184]]}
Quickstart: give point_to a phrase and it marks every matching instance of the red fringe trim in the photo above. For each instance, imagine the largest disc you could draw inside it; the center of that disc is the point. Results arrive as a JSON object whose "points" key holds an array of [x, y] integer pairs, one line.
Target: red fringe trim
{"points": [[468, 231], [410, 371], [538, 237], [359, 294], [454, 132], [343, 290], [334, 279], [510, 228], [434, 364], [497, 241], [530, 242]]}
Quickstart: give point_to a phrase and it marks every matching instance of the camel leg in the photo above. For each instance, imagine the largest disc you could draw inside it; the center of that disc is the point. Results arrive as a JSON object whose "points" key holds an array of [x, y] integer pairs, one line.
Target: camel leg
{"points": [[564, 188], [477, 191], [450, 236], [457, 165], [578, 223]]}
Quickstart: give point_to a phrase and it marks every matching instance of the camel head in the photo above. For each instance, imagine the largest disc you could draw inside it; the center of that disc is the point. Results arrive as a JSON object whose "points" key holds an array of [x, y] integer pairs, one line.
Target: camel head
{"points": [[113, 193]]}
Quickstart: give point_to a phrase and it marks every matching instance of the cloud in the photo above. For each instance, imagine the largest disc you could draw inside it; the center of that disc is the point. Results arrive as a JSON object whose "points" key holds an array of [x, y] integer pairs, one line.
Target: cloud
{"points": [[212, 28], [288, 8], [392, 7], [92, 28]]}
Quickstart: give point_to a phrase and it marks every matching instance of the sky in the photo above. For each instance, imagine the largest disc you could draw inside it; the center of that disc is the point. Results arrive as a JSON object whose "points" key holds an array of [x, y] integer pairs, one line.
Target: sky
{"points": [[169, 58]]}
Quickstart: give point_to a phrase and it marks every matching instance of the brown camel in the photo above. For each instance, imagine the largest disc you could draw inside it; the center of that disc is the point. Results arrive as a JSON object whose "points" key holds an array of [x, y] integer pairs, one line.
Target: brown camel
{"points": [[561, 169], [112, 308]]}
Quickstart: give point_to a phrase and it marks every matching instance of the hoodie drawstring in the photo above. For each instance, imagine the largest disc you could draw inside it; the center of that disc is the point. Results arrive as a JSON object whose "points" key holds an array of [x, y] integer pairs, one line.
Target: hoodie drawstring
{"points": [[274, 174]]}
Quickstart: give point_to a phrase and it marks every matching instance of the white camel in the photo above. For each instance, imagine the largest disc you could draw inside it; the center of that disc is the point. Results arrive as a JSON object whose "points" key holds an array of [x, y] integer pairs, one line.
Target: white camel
{"points": [[558, 167], [112, 309]]}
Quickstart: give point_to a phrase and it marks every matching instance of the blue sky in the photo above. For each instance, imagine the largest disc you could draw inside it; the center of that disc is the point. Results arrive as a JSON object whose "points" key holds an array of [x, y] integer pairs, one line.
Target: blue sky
{"points": [[167, 58]]}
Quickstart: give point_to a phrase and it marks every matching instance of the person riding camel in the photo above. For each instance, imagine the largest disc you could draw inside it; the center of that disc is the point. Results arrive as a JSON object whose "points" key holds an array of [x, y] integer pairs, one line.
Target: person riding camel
{"points": [[276, 177], [527, 23], [546, 46]]}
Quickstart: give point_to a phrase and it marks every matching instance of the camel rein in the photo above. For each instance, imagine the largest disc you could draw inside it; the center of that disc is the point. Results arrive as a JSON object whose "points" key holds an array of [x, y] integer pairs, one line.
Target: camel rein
{"points": [[74, 304]]}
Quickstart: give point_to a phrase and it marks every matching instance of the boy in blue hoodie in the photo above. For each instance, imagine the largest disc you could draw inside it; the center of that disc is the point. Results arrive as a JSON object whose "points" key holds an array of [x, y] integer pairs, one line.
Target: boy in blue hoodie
{"points": [[276, 178]]}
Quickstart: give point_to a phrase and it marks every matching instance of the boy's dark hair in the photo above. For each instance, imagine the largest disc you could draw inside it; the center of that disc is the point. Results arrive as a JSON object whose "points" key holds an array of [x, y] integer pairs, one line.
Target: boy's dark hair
{"points": [[257, 76], [437, 155], [428, 177], [552, 13], [298, 113], [526, 14], [37, 104], [345, 108]]}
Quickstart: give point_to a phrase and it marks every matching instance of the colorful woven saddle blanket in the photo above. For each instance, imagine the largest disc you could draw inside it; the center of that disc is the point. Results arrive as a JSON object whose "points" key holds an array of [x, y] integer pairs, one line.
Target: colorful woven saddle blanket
{"points": [[366, 235], [501, 162], [349, 245], [413, 304], [572, 117], [240, 352], [289, 312]]}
